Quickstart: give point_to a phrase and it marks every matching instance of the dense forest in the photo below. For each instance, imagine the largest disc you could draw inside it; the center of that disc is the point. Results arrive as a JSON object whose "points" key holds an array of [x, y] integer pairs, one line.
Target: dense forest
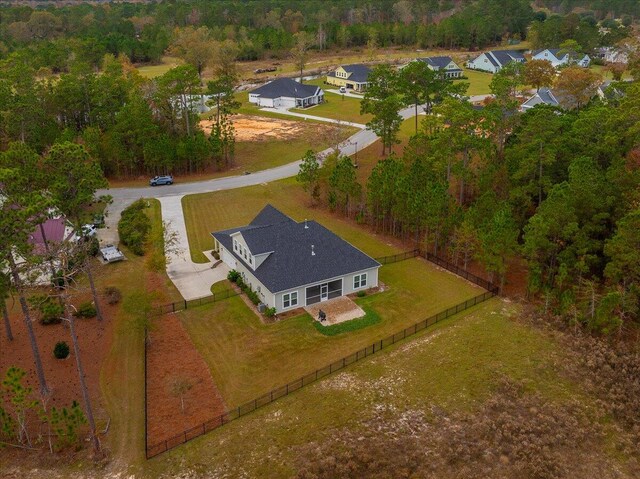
{"points": [[556, 187]]}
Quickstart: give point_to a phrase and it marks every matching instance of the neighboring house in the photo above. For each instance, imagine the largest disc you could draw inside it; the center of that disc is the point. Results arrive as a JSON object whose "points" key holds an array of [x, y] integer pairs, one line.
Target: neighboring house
{"points": [[545, 96], [615, 55], [353, 77], [494, 60], [56, 230], [290, 264], [443, 64], [286, 93], [559, 57]]}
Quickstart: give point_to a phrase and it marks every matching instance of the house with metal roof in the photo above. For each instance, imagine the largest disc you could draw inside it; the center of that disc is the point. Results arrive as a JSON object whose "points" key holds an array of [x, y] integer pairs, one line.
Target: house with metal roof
{"points": [[444, 64], [558, 57], [292, 264], [493, 61], [286, 93], [353, 77]]}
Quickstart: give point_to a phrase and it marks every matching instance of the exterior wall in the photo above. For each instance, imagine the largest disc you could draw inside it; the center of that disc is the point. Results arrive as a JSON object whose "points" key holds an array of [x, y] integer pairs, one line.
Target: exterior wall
{"points": [[263, 102], [550, 57], [283, 102], [247, 276], [347, 288], [345, 82], [482, 63]]}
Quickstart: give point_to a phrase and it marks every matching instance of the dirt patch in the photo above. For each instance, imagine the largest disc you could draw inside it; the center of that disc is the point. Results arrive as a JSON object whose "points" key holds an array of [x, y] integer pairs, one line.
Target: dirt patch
{"points": [[173, 364], [94, 338], [258, 128]]}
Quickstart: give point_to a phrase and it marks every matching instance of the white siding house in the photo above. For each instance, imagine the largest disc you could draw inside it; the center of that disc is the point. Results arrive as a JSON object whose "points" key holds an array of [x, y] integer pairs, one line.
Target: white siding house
{"points": [[560, 58], [286, 93], [291, 265], [494, 60]]}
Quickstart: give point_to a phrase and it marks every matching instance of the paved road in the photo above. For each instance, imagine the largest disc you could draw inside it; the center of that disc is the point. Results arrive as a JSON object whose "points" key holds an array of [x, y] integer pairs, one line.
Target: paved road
{"points": [[193, 280]]}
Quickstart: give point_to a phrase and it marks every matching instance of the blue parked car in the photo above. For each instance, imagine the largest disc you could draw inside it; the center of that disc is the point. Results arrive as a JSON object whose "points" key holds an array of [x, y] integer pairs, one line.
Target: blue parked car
{"points": [[161, 180]]}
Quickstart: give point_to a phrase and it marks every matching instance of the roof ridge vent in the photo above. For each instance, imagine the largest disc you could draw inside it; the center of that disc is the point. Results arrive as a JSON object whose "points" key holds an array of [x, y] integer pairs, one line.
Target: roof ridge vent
{"points": [[313, 253]]}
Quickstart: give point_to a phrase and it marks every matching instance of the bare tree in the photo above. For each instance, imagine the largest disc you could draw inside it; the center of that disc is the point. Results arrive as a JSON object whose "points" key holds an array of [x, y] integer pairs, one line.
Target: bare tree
{"points": [[180, 386], [300, 51]]}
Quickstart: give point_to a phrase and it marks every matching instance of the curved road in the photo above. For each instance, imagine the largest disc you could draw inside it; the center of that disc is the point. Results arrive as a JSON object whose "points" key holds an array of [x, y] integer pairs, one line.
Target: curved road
{"points": [[194, 280]]}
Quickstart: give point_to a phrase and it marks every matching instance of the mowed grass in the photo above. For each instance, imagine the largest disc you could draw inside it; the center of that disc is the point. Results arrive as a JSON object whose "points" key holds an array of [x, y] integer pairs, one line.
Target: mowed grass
{"points": [[248, 358], [208, 212], [478, 81], [453, 366], [152, 71], [337, 107]]}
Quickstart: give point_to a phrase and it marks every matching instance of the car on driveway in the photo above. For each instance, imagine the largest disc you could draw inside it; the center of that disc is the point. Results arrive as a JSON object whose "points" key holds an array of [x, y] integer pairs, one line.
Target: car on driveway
{"points": [[87, 231], [161, 180]]}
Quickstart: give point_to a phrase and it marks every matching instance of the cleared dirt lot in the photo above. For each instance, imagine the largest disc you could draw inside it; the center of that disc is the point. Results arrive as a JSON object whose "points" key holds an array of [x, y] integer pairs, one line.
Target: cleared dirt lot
{"points": [[257, 128]]}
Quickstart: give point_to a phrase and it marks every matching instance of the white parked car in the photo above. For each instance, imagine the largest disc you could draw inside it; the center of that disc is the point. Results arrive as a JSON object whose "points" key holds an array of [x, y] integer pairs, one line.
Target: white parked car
{"points": [[87, 231]]}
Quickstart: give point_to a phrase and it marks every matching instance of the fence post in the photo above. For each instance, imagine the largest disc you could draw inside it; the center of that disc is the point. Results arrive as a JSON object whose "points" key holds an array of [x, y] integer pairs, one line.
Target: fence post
{"points": [[185, 304]]}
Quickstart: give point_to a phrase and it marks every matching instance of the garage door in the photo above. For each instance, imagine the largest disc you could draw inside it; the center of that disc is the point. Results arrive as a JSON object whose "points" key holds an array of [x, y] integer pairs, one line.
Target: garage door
{"points": [[228, 259]]}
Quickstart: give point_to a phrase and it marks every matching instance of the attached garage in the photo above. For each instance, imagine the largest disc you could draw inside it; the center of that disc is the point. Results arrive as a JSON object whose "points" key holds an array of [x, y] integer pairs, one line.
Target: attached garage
{"points": [[228, 258]]}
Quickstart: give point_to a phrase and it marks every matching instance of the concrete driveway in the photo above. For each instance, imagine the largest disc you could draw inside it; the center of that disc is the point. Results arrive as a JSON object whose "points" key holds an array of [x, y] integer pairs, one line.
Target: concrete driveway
{"points": [[193, 280]]}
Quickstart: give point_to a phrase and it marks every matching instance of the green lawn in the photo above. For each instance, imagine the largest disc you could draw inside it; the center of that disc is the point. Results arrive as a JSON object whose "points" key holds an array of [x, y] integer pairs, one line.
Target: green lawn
{"points": [[337, 107], [152, 71], [248, 358], [478, 82], [208, 212], [453, 366]]}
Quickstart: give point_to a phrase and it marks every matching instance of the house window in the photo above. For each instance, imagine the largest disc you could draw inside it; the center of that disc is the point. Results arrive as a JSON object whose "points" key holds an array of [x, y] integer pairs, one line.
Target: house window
{"points": [[235, 246], [290, 299], [359, 280]]}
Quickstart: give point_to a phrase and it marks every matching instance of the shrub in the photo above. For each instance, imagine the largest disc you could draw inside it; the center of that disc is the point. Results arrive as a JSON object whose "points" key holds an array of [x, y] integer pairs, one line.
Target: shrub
{"points": [[270, 312], [61, 350], [50, 310], [112, 294], [134, 227], [58, 281], [216, 255], [86, 310], [252, 295], [233, 276], [361, 294]]}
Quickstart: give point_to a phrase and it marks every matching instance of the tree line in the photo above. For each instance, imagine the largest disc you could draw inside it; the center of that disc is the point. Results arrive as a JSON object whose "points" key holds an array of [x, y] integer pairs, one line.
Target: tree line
{"points": [[557, 188], [50, 39], [131, 125]]}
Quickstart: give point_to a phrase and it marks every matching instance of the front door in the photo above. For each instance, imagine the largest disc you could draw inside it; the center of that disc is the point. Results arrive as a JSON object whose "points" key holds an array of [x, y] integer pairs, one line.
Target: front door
{"points": [[324, 292]]}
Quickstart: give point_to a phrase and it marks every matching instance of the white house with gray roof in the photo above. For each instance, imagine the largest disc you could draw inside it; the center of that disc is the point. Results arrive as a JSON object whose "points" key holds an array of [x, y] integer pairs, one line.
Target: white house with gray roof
{"points": [[292, 264], [544, 96], [559, 58], [286, 93], [494, 60]]}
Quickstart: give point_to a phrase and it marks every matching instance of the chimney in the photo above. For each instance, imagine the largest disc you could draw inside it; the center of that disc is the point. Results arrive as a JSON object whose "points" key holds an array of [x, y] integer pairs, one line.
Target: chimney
{"points": [[313, 253]]}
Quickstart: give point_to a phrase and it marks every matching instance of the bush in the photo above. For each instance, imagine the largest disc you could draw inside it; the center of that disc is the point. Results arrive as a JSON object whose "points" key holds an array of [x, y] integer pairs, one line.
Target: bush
{"points": [[61, 350], [361, 294], [51, 311], [134, 227], [216, 255], [252, 295], [233, 276], [86, 310], [112, 294], [270, 312]]}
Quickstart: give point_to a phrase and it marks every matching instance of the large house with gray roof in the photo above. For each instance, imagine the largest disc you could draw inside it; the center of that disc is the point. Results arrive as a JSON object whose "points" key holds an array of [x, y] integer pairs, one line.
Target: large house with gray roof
{"points": [[286, 93], [444, 64], [353, 77], [544, 96], [494, 60], [292, 264], [559, 58]]}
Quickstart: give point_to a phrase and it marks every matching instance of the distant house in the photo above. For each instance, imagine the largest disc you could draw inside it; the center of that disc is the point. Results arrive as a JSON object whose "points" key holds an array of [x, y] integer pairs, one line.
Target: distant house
{"points": [[494, 60], [292, 264], [353, 77], [545, 96], [443, 64], [286, 93], [559, 57], [615, 55]]}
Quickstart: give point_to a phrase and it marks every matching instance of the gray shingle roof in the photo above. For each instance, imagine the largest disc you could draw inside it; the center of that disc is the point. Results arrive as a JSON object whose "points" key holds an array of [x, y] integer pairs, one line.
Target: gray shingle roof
{"points": [[438, 62], [503, 57], [359, 72], [291, 263], [286, 87], [543, 96]]}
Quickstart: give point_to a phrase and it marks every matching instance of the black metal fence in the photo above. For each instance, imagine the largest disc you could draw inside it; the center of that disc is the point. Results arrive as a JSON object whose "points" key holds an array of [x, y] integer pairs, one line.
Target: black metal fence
{"points": [[193, 303], [214, 423], [394, 258], [489, 286]]}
